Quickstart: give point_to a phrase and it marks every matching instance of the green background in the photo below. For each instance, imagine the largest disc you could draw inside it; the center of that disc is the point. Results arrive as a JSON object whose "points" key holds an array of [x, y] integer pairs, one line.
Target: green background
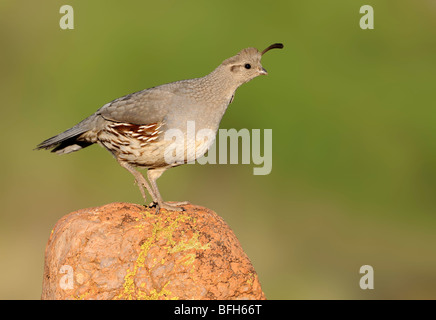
{"points": [[352, 113]]}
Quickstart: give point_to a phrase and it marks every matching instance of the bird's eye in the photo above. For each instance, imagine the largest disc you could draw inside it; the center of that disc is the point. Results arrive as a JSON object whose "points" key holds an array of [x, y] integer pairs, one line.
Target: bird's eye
{"points": [[247, 66]]}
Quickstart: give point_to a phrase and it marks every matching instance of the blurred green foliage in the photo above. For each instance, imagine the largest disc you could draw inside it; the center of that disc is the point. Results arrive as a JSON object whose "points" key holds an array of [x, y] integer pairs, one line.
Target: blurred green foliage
{"points": [[352, 112]]}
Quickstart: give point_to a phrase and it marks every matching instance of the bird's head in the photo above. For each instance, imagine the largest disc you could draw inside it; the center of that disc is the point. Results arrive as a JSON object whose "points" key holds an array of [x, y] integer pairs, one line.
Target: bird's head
{"points": [[246, 64]]}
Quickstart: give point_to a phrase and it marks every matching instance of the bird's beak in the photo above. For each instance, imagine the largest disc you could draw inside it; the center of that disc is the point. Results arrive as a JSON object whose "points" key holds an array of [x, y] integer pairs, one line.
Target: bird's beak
{"points": [[262, 71]]}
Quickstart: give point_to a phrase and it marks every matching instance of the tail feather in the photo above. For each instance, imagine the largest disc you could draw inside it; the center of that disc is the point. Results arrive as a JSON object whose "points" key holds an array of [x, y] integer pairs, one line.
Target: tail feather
{"points": [[70, 145], [65, 142]]}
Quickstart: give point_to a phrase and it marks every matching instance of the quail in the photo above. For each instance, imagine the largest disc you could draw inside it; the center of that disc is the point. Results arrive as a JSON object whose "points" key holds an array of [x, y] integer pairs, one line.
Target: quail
{"points": [[133, 127]]}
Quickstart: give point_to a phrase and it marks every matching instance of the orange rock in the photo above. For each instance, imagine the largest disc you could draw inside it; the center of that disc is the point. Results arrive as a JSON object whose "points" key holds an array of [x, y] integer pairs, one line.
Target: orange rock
{"points": [[125, 251]]}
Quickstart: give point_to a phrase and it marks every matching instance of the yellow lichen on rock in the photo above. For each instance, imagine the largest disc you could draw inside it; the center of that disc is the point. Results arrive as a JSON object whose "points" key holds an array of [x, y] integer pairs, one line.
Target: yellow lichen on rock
{"points": [[164, 226]]}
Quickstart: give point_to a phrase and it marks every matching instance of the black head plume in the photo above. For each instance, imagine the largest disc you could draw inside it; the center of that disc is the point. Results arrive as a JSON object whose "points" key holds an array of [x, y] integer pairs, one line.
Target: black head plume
{"points": [[273, 46]]}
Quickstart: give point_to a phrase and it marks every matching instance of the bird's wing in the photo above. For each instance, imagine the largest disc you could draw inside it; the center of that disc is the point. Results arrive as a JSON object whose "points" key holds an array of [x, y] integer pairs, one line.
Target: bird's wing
{"points": [[143, 107]]}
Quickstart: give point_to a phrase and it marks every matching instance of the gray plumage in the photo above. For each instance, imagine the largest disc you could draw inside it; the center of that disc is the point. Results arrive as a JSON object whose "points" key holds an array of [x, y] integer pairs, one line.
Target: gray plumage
{"points": [[132, 127]]}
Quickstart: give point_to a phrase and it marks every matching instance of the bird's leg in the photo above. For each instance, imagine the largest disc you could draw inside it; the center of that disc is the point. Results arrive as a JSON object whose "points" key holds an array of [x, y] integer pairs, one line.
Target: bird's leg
{"points": [[153, 175], [140, 180]]}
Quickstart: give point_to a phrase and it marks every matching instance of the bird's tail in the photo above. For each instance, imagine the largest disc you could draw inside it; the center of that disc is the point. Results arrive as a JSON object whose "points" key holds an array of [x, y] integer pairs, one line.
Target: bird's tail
{"points": [[66, 142]]}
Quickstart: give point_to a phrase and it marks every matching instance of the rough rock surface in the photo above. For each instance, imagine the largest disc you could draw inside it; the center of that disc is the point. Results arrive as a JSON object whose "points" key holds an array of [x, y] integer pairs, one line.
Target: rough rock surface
{"points": [[125, 251]]}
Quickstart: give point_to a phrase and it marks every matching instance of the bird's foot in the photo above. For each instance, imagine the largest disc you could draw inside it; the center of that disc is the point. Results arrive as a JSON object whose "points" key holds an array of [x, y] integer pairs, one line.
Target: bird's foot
{"points": [[170, 206], [178, 203]]}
